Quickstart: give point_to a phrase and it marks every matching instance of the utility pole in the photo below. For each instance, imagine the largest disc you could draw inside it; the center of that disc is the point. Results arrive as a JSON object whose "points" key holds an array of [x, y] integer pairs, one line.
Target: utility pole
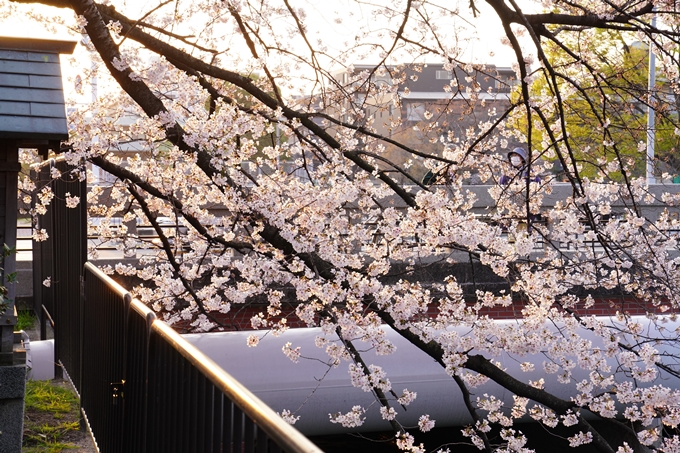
{"points": [[651, 137]]}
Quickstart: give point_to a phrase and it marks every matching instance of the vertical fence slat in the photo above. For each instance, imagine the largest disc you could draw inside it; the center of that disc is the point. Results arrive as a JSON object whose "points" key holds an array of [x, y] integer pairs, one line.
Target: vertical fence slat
{"points": [[202, 412], [227, 424], [154, 404], [248, 435], [238, 429], [186, 403], [262, 441], [216, 440]]}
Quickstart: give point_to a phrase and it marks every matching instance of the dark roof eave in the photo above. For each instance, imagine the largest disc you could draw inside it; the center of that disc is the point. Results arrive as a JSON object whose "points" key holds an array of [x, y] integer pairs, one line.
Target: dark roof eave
{"points": [[33, 136], [37, 45]]}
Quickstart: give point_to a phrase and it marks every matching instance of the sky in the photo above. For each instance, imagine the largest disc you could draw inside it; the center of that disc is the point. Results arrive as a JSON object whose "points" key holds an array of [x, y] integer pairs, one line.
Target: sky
{"points": [[485, 47]]}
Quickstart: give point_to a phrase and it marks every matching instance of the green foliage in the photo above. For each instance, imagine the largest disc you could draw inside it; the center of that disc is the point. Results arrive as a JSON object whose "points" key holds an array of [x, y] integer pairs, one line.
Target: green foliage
{"points": [[11, 278], [45, 396], [46, 438], [26, 320], [4, 302], [606, 118], [51, 415], [7, 250]]}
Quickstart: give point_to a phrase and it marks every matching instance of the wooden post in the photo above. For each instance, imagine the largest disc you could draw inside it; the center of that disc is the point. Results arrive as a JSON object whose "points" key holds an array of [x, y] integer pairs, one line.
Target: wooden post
{"points": [[12, 358]]}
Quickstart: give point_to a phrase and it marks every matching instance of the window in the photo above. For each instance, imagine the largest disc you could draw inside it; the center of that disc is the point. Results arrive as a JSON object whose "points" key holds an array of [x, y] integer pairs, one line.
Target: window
{"points": [[505, 83], [102, 177], [444, 75], [415, 111]]}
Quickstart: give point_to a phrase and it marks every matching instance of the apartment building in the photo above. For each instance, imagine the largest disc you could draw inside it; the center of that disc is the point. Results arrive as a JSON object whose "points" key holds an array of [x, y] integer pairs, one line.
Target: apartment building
{"points": [[426, 106]]}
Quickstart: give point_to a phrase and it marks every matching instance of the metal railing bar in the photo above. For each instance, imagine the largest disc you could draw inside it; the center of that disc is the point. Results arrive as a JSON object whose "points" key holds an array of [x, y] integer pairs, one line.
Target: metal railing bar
{"points": [[174, 405], [188, 406], [281, 432], [48, 316], [262, 441], [98, 273], [203, 404]]}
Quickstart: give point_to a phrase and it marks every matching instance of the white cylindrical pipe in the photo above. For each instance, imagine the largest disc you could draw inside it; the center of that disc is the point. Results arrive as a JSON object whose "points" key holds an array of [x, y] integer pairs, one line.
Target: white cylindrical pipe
{"points": [[313, 391], [42, 360]]}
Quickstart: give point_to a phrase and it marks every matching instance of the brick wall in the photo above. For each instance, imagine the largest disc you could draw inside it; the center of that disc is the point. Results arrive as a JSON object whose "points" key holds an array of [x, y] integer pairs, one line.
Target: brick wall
{"points": [[239, 316]]}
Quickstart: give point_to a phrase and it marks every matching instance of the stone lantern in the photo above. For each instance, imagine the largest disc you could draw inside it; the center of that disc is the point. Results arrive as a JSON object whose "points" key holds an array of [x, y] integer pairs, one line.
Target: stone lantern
{"points": [[32, 115]]}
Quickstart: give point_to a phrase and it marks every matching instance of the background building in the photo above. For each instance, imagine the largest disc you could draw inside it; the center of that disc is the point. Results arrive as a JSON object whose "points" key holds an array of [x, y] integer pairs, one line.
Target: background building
{"points": [[426, 106]]}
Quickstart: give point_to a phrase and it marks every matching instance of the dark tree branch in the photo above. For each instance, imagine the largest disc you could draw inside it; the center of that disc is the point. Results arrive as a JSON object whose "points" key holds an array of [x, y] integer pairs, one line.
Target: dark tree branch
{"points": [[473, 412]]}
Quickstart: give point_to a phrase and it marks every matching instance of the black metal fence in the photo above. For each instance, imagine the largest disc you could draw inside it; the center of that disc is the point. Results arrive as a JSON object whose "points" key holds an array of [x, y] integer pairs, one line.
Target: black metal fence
{"points": [[145, 389], [142, 387], [60, 260]]}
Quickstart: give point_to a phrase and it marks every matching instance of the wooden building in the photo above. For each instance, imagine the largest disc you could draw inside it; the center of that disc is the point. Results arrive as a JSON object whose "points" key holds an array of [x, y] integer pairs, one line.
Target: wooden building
{"points": [[32, 115]]}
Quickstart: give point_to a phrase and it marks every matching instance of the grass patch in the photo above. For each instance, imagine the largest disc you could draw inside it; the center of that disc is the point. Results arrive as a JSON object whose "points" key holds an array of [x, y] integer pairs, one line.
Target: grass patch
{"points": [[51, 417], [49, 397], [26, 320]]}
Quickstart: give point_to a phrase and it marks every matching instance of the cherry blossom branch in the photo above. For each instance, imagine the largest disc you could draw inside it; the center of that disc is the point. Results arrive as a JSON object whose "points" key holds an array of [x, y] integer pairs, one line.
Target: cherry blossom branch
{"points": [[483, 366], [125, 175], [242, 82], [379, 394], [396, 167], [141, 23], [55, 3], [169, 252], [473, 413], [588, 19], [152, 106], [410, 150], [244, 32]]}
